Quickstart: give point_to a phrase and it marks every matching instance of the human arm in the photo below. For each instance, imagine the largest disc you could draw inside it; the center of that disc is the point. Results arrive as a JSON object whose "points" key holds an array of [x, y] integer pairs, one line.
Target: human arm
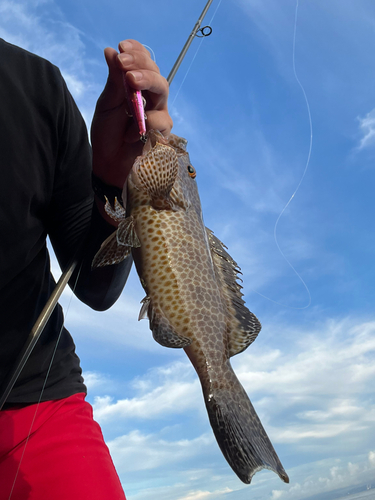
{"points": [[115, 145]]}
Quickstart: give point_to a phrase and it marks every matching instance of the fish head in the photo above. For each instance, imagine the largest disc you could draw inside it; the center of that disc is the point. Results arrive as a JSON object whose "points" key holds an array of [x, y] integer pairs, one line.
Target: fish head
{"points": [[185, 189], [163, 177]]}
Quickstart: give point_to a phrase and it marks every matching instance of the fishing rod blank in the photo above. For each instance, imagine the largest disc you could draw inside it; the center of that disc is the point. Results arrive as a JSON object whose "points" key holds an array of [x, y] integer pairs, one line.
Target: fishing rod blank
{"points": [[35, 333]]}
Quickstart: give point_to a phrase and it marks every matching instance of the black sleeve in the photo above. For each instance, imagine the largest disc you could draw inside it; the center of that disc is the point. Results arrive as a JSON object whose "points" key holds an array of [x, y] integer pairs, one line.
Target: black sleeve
{"points": [[75, 226]]}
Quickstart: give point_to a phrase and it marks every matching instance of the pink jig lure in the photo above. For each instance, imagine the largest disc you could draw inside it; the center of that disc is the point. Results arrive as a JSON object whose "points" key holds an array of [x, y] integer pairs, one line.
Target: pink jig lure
{"points": [[136, 104]]}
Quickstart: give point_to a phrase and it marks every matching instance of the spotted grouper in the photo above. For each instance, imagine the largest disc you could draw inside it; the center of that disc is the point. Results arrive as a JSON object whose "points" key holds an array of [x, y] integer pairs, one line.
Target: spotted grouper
{"points": [[193, 299]]}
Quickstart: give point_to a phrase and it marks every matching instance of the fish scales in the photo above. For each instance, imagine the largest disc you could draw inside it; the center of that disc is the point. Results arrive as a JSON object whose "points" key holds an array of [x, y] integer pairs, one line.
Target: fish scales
{"points": [[193, 299]]}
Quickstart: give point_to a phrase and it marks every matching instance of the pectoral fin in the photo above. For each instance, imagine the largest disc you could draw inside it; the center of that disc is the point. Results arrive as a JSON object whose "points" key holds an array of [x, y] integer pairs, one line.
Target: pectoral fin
{"points": [[110, 252], [162, 330], [118, 245], [126, 235]]}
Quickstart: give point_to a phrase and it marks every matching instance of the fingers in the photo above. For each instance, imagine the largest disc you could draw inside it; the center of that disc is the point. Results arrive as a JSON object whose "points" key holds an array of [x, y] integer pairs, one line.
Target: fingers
{"points": [[134, 56], [130, 44], [156, 86], [133, 61], [142, 73], [113, 91], [159, 120]]}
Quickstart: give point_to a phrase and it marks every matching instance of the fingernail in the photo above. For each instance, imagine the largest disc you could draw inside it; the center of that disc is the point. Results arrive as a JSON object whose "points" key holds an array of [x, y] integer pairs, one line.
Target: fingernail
{"points": [[126, 45], [126, 59], [137, 75]]}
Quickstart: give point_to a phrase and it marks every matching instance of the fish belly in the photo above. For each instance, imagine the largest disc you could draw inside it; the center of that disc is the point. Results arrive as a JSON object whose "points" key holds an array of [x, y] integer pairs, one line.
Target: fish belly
{"points": [[176, 269]]}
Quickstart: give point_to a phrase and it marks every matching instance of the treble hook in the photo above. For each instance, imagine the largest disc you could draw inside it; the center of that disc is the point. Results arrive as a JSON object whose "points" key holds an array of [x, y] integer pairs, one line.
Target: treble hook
{"points": [[203, 33]]}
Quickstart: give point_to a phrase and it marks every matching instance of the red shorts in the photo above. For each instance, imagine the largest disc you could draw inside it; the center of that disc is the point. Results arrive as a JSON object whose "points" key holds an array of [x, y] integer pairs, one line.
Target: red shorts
{"points": [[65, 456]]}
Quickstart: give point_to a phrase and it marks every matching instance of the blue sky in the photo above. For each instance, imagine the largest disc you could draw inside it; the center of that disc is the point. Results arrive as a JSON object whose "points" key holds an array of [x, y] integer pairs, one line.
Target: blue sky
{"points": [[310, 373]]}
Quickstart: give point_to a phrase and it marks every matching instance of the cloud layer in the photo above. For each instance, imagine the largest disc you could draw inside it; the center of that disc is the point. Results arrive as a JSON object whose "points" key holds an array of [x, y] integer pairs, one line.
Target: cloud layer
{"points": [[317, 400], [367, 129]]}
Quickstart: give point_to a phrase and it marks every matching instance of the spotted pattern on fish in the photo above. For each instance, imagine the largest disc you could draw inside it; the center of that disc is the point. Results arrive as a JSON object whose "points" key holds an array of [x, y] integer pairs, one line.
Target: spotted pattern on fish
{"points": [[193, 298]]}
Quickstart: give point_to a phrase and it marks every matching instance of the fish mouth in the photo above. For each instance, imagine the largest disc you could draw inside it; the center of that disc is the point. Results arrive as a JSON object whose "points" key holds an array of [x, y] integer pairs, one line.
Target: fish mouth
{"points": [[153, 137]]}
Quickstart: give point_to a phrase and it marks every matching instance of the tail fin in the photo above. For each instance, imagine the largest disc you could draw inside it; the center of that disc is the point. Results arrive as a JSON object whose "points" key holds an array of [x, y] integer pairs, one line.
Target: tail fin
{"points": [[240, 434]]}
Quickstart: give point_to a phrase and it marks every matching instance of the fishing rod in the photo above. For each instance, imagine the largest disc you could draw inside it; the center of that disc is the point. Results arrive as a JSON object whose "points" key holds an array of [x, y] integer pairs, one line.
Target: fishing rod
{"points": [[35, 333], [189, 41], [48, 309]]}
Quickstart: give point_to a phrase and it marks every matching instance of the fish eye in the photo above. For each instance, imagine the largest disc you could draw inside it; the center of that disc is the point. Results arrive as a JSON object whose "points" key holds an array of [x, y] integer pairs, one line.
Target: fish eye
{"points": [[191, 171]]}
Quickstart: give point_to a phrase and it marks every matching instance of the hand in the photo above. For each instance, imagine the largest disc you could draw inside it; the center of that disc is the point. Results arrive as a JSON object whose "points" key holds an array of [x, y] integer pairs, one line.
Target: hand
{"points": [[114, 135]]}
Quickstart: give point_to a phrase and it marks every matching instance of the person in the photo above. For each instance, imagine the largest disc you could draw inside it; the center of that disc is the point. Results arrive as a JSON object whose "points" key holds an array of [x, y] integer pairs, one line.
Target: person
{"points": [[50, 446]]}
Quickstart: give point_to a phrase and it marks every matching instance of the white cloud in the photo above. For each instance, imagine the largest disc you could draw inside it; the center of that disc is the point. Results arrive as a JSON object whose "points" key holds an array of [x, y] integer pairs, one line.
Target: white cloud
{"points": [[136, 451], [320, 388], [164, 391], [96, 381], [339, 351], [173, 397], [323, 476], [367, 129], [40, 27], [371, 458], [314, 398], [328, 374], [276, 494], [328, 379], [353, 469], [199, 495], [337, 408]]}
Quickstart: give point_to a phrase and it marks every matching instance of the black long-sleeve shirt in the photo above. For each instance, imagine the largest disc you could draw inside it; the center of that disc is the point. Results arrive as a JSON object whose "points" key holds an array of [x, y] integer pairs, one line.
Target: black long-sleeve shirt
{"points": [[45, 189]]}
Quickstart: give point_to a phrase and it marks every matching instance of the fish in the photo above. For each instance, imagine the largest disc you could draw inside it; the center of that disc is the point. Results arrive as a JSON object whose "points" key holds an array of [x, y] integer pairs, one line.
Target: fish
{"points": [[193, 295]]}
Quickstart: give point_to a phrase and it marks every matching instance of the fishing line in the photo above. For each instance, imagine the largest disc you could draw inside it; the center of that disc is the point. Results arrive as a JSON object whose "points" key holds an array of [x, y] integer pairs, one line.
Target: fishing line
{"points": [[152, 52], [45, 382], [300, 182], [195, 55]]}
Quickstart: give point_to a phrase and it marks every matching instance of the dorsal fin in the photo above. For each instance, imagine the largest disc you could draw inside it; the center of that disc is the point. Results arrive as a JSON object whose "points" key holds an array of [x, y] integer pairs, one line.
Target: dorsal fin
{"points": [[243, 325]]}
